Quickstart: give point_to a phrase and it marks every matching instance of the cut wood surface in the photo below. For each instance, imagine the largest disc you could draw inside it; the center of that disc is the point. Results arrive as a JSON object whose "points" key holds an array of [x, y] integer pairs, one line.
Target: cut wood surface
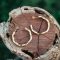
{"points": [[32, 33]]}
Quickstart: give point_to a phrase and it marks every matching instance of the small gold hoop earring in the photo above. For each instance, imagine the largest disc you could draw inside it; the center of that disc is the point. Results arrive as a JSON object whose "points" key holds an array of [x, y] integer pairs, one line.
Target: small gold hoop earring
{"points": [[44, 31], [13, 39]]}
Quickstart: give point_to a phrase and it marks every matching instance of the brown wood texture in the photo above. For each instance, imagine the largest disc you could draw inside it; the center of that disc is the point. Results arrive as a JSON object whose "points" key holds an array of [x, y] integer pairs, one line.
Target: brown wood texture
{"points": [[40, 43]]}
